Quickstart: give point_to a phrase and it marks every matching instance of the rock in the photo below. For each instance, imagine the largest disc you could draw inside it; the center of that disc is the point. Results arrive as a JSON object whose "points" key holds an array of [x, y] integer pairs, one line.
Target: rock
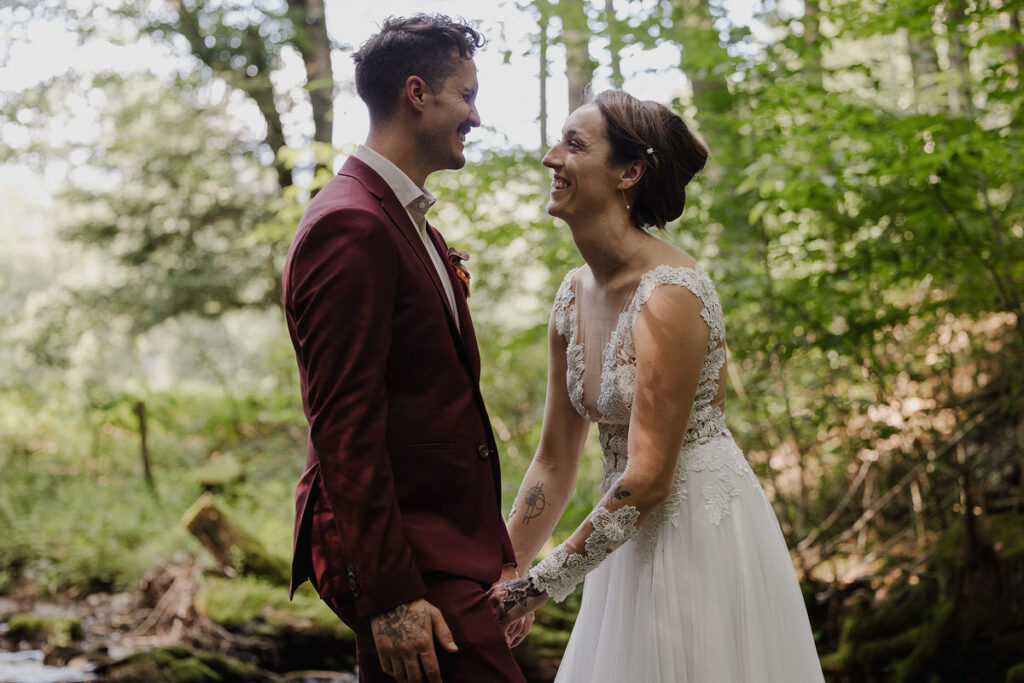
{"points": [[178, 664], [60, 655], [41, 628], [319, 677]]}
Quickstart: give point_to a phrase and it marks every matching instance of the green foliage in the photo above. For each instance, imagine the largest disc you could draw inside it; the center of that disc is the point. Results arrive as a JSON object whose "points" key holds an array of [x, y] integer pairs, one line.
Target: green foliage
{"points": [[165, 191], [109, 528], [244, 601]]}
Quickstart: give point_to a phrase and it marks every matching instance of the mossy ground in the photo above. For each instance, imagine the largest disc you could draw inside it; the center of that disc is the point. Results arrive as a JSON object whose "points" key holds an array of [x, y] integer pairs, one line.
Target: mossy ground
{"points": [[930, 631]]}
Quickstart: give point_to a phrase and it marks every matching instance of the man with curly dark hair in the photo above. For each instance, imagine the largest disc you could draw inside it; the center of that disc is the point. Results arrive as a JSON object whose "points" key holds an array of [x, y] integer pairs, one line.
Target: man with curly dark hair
{"points": [[398, 521]]}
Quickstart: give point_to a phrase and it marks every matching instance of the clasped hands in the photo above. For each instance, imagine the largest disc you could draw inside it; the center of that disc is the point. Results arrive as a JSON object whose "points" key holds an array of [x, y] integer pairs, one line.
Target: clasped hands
{"points": [[514, 600], [405, 636]]}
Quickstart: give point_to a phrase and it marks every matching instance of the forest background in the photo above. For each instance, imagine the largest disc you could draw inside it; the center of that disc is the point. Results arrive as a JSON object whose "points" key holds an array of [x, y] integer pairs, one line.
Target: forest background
{"points": [[860, 215]]}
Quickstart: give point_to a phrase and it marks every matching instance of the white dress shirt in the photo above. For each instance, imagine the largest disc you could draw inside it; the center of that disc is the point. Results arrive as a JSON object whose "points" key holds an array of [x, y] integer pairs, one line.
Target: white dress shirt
{"points": [[417, 201]]}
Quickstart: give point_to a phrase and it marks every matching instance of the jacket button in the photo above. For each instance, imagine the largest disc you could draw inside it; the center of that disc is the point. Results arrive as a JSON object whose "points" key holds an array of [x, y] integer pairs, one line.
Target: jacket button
{"points": [[484, 451], [353, 583]]}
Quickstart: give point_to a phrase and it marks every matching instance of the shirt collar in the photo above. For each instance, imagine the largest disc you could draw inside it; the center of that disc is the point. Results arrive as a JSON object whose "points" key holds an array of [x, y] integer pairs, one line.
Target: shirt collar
{"points": [[413, 198]]}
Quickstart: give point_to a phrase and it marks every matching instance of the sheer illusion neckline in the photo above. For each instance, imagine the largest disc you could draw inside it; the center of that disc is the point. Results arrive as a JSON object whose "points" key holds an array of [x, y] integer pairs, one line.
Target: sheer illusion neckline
{"points": [[576, 350]]}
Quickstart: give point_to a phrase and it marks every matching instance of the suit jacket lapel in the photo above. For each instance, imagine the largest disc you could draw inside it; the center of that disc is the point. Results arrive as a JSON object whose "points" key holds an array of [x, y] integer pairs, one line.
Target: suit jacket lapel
{"points": [[399, 216], [461, 305]]}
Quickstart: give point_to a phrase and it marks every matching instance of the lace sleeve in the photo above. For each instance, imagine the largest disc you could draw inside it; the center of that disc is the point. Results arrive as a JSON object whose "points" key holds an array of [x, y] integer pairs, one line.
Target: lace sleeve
{"points": [[560, 572]]}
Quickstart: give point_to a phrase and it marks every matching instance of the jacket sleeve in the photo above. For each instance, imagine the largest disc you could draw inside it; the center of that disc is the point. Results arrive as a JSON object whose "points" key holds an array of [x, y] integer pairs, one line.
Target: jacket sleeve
{"points": [[341, 293]]}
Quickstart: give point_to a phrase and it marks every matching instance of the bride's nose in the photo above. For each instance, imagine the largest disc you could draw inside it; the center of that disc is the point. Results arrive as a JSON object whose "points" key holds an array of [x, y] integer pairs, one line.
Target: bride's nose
{"points": [[552, 159]]}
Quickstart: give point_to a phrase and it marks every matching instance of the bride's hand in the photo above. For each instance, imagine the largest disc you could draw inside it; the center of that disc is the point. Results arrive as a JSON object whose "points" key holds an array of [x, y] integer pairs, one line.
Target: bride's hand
{"points": [[515, 599], [516, 632]]}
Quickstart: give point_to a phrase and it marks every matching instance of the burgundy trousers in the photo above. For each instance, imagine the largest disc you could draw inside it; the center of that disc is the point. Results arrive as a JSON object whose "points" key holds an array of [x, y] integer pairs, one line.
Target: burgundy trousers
{"points": [[483, 655]]}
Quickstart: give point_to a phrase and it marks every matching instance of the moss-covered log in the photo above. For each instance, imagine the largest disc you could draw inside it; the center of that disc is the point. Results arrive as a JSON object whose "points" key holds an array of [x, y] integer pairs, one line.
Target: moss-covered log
{"points": [[236, 550]]}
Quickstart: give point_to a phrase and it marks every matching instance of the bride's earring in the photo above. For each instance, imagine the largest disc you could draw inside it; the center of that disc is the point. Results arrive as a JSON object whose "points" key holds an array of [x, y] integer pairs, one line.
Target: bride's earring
{"points": [[624, 200]]}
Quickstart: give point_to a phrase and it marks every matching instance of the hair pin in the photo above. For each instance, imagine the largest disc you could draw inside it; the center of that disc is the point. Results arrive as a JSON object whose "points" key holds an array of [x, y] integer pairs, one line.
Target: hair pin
{"points": [[650, 150]]}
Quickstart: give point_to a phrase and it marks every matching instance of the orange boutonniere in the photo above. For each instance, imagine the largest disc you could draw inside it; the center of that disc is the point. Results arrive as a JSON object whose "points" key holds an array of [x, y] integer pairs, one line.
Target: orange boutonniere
{"points": [[456, 257]]}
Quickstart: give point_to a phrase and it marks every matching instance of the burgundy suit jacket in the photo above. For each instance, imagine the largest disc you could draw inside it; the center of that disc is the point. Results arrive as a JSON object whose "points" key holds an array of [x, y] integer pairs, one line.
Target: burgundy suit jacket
{"points": [[401, 474]]}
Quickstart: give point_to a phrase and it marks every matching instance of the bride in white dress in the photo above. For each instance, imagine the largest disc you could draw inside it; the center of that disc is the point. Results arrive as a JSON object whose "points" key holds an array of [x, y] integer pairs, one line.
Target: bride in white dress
{"points": [[688, 579]]}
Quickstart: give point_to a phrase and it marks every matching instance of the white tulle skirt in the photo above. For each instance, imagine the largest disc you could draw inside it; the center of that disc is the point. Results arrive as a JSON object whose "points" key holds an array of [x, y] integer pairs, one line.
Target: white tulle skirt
{"points": [[719, 602]]}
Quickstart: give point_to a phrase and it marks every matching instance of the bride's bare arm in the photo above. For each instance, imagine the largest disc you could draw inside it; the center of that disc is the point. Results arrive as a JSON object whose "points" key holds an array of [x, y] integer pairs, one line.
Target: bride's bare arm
{"points": [[551, 477], [670, 338]]}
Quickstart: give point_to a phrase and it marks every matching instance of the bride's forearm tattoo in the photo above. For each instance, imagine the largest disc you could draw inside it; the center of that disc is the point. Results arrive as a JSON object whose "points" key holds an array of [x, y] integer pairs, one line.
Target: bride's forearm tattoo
{"points": [[535, 503], [620, 494], [517, 592], [400, 625]]}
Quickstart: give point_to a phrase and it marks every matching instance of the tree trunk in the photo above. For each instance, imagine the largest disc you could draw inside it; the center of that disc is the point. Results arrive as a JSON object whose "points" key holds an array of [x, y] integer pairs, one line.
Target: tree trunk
{"points": [[1017, 47], [579, 67], [543, 23], [140, 412], [960, 91], [236, 551], [263, 96], [924, 64], [701, 59], [615, 43], [702, 51], [812, 43], [258, 87], [314, 45]]}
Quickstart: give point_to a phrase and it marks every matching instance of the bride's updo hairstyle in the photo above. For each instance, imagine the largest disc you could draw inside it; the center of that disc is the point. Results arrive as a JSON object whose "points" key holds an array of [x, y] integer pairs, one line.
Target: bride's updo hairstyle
{"points": [[655, 135]]}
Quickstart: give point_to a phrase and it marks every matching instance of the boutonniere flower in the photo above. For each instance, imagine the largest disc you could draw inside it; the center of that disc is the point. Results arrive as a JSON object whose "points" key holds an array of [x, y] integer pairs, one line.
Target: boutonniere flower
{"points": [[456, 258]]}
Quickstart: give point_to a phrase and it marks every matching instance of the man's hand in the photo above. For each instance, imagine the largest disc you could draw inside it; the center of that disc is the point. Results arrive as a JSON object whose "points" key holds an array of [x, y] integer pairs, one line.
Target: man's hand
{"points": [[515, 599], [405, 637]]}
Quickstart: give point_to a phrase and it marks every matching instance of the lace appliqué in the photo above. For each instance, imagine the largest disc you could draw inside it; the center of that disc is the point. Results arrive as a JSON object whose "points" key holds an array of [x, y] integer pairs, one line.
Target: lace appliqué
{"points": [[559, 573], [707, 446], [717, 496], [567, 325], [667, 513]]}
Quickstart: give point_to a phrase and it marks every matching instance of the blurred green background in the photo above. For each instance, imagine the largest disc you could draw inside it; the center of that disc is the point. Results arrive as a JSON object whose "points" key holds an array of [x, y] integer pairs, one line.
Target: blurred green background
{"points": [[860, 215]]}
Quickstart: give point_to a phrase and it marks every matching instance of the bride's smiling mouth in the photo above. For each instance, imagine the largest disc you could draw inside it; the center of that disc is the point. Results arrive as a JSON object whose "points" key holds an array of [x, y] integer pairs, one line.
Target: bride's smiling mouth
{"points": [[559, 183]]}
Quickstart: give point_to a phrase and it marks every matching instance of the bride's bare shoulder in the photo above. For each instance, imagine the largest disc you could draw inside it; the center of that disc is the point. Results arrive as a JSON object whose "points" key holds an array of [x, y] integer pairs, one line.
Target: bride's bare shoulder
{"points": [[665, 254]]}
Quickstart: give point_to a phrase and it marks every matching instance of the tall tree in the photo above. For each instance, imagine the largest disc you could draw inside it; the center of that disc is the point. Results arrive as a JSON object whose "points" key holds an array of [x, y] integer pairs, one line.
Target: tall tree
{"points": [[575, 38]]}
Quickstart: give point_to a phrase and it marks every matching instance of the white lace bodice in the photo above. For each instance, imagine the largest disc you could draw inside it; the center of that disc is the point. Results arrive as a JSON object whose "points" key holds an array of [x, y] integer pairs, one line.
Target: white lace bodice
{"points": [[707, 445]]}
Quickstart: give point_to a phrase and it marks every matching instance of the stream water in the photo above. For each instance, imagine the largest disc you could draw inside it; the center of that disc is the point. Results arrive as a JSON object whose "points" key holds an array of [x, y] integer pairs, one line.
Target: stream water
{"points": [[27, 666]]}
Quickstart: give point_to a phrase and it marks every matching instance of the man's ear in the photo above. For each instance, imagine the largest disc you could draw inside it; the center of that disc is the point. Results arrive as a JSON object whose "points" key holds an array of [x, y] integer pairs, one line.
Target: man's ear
{"points": [[415, 92], [631, 174]]}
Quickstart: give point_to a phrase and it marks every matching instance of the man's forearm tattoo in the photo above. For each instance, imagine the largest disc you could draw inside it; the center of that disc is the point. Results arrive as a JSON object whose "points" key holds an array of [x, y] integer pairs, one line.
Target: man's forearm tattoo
{"points": [[535, 503], [517, 592], [400, 625], [620, 494]]}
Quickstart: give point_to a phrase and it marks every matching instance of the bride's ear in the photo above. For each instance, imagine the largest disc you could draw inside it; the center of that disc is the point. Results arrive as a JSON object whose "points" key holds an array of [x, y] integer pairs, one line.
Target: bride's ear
{"points": [[631, 174]]}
